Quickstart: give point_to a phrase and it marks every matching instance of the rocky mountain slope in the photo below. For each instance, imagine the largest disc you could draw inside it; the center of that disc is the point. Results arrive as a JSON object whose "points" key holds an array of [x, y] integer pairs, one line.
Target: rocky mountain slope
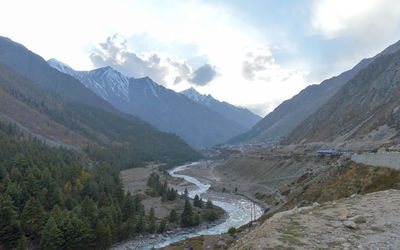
{"points": [[240, 115], [369, 221], [163, 108], [364, 109], [291, 113], [119, 139]]}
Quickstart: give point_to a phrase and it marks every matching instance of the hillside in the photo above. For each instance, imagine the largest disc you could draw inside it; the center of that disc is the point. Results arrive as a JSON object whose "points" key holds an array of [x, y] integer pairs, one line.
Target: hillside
{"points": [[364, 109], [291, 113], [35, 68], [123, 141], [165, 109]]}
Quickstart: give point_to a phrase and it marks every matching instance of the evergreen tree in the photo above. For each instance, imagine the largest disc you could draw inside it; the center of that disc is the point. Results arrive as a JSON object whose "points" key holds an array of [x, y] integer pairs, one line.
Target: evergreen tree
{"points": [[152, 221], [22, 243], [103, 235], [196, 219], [10, 230], [163, 226], [173, 216], [89, 209], [129, 207], [197, 202], [186, 193], [140, 224], [33, 217], [187, 215], [52, 237]]}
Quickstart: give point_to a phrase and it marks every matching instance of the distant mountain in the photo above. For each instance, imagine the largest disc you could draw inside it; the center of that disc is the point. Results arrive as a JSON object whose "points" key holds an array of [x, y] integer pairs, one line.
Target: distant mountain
{"points": [[240, 115], [291, 113], [165, 109], [121, 141], [32, 96], [366, 109]]}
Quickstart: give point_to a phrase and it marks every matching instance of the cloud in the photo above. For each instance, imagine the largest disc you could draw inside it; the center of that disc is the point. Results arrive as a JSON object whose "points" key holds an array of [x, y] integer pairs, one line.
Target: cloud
{"points": [[362, 19], [260, 65], [203, 75], [161, 68], [256, 62]]}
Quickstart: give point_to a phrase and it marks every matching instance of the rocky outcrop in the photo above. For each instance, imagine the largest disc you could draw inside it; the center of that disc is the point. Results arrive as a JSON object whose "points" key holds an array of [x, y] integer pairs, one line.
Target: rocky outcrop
{"points": [[372, 222]]}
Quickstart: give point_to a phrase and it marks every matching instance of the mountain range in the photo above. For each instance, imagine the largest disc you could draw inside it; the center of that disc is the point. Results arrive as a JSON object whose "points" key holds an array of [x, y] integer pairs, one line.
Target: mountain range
{"points": [[291, 113], [240, 115], [200, 124], [61, 111]]}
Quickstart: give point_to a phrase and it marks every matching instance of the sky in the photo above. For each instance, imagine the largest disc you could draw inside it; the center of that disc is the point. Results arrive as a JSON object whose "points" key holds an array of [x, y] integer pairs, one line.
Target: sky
{"points": [[254, 54]]}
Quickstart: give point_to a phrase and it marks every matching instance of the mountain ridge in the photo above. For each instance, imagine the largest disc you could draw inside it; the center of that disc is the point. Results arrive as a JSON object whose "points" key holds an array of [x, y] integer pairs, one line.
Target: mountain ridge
{"points": [[365, 108], [238, 114], [292, 112], [163, 108]]}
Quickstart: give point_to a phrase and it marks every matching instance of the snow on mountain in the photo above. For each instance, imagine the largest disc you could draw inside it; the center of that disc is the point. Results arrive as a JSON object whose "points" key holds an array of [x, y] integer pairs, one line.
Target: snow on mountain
{"points": [[105, 82], [238, 114], [165, 109]]}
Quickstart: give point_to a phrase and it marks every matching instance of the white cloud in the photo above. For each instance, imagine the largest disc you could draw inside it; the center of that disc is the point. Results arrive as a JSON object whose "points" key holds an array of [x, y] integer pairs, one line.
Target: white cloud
{"points": [[161, 67], [360, 19], [70, 30]]}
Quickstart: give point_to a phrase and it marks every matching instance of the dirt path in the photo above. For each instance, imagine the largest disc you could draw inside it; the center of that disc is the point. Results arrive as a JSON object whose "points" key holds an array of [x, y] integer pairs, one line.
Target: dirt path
{"points": [[371, 221]]}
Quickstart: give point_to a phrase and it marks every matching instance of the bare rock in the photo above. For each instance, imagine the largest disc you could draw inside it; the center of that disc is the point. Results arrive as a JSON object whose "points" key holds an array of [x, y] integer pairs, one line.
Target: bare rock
{"points": [[342, 218], [358, 219], [343, 212], [315, 204], [350, 224]]}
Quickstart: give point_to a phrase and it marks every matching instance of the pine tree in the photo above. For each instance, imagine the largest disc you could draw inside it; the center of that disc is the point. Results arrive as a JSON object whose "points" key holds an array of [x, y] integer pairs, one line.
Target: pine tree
{"points": [[173, 216], [22, 243], [196, 219], [152, 221], [52, 237], [140, 224], [129, 207], [187, 214], [197, 202], [10, 230], [103, 235], [163, 226], [33, 218]]}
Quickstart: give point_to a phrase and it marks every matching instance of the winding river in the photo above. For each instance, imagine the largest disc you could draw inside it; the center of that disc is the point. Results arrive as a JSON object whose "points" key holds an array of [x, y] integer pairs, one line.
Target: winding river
{"points": [[238, 209]]}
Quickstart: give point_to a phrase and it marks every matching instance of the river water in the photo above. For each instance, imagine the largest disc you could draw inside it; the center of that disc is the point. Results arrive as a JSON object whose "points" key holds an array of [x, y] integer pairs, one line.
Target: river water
{"points": [[238, 209]]}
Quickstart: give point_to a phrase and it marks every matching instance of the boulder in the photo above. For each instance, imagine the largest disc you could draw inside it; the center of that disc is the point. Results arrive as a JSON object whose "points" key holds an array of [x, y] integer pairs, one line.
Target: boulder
{"points": [[350, 224]]}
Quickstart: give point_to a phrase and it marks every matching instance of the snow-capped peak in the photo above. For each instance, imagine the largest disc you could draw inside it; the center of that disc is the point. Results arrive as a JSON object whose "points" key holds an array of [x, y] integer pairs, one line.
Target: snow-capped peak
{"points": [[60, 66], [194, 95]]}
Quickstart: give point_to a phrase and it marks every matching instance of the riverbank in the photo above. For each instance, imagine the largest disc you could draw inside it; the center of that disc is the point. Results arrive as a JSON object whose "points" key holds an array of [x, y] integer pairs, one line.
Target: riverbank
{"points": [[156, 240], [238, 212]]}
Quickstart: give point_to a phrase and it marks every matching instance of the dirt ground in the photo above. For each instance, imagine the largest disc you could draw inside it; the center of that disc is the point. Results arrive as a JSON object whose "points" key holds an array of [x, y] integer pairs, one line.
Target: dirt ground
{"points": [[368, 221], [135, 181]]}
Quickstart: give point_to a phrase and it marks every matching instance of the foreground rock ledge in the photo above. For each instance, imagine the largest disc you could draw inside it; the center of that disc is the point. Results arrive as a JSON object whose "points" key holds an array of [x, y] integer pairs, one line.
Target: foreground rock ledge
{"points": [[372, 222]]}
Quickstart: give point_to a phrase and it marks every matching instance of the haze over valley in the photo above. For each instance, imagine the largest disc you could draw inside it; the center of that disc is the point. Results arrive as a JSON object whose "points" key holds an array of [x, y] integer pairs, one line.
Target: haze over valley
{"points": [[200, 124]]}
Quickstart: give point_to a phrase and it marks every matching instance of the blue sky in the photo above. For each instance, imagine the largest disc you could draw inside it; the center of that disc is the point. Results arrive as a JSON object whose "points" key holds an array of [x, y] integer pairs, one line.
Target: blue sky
{"points": [[254, 54]]}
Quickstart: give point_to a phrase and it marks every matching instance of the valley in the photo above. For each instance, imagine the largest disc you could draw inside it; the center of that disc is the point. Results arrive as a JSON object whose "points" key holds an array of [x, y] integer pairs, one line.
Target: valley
{"points": [[171, 138]]}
